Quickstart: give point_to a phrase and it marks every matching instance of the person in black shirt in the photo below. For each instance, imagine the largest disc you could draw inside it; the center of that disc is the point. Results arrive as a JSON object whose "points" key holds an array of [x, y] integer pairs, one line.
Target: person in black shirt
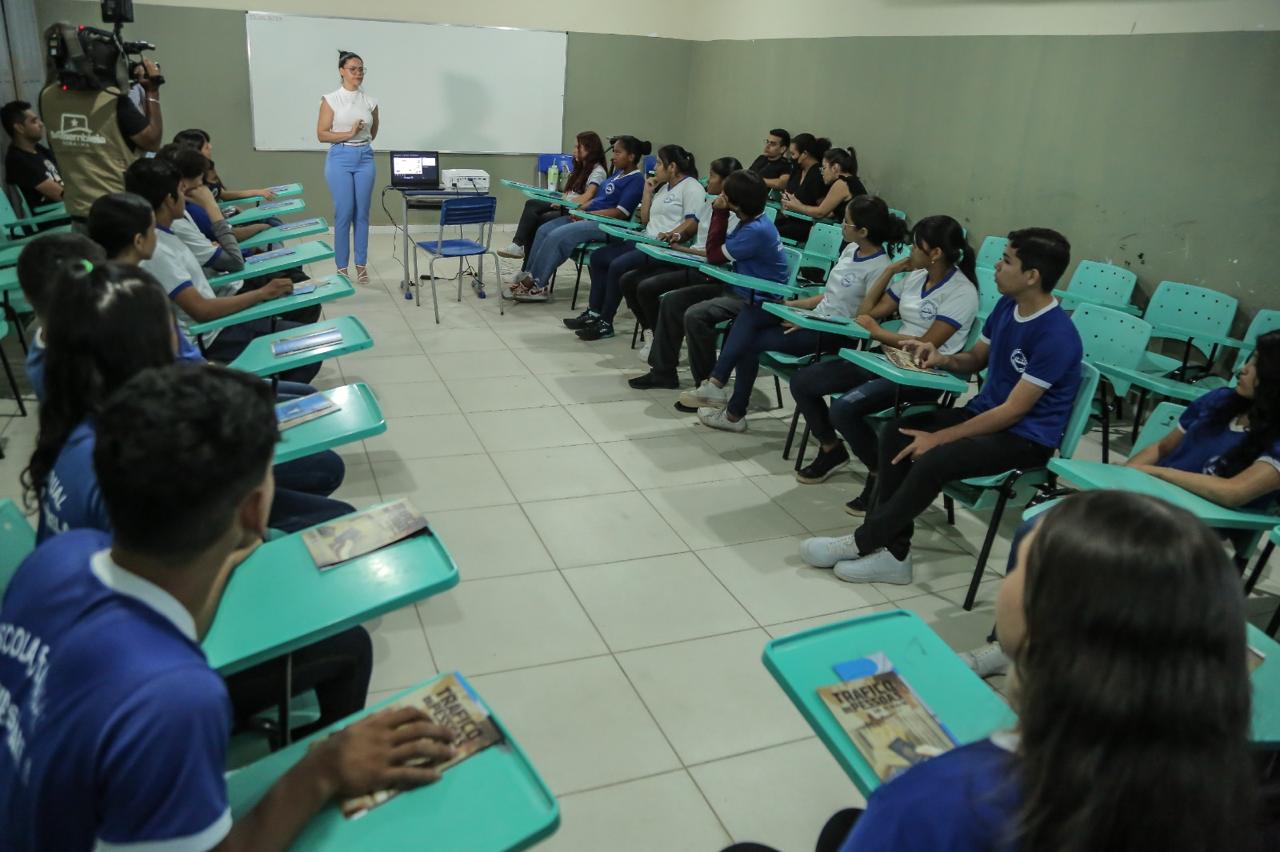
{"points": [[840, 175], [773, 165], [806, 185], [29, 165]]}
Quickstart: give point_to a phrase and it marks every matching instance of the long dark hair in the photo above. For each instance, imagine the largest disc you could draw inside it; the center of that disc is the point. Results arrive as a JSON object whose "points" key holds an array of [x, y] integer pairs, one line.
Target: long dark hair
{"points": [[883, 228], [674, 155], [725, 166], [1263, 410], [814, 146], [590, 142], [1133, 693], [943, 232], [103, 326], [846, 159]]}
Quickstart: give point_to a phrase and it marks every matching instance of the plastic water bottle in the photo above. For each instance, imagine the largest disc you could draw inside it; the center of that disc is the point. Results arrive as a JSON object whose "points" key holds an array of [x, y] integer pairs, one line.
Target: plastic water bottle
{"points": [[553, 177]]}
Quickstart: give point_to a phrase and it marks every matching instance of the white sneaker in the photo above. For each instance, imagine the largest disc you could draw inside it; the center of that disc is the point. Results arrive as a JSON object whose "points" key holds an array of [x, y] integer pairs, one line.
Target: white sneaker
{"points": [[987, 660], [512, 251], [879, 567], [644, 350], [822, 552], [705, 395], [718, 418]]}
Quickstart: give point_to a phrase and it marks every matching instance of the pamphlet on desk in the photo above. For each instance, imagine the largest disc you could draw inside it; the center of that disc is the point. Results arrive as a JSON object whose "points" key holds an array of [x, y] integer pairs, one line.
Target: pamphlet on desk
{"points": [[301, 223], [449, 703], [905, 360], [883, 717], [364, 532], [295, 412], [305, 342]]}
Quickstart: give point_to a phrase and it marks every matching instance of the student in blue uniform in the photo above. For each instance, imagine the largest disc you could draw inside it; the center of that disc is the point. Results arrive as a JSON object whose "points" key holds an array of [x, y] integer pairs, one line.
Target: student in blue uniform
{"points": [[557, 239], [114, 727], [1133, 699], [1032, 354]]}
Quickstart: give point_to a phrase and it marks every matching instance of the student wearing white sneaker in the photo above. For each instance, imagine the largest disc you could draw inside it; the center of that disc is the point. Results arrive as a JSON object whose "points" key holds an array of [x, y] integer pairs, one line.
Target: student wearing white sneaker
{"points": [[937, 302], [587, 176], [1032, 353]]}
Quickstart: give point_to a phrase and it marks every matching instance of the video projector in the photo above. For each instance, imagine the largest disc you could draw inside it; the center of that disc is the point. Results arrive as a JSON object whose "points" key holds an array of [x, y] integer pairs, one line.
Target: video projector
{"points": [[464, 180]]}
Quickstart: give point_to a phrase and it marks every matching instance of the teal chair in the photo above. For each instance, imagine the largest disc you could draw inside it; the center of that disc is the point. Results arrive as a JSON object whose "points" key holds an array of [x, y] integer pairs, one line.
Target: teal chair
{"points": [[1160, 423], [17, 540], [988, 292], [1263, 322], [771, 212], [8, 372], [990, 252], [1176, 312], [899, 213], [1112, 341], [822, 248], [1101, 284], [996, 491], [14, 227]]}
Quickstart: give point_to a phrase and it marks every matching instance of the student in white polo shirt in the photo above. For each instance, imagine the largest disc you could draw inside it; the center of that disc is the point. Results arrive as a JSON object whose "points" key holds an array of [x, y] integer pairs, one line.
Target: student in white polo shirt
{"points": [[114, 728]]}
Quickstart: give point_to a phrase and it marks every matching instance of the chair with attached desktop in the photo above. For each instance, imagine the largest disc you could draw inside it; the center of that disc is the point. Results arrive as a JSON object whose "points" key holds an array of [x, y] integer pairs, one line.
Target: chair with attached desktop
{"points": [[990, 252], [1101, 284], [822, 248], [1115, 343], [458, 212], [1198, 317]]}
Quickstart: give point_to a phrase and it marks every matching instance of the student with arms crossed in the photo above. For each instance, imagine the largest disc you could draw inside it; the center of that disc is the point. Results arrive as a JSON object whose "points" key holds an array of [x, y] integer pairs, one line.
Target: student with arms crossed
{"points": [[937, 302], [584, 181], [1032, 353], [117, 728], [772, 165], [28, 164]]}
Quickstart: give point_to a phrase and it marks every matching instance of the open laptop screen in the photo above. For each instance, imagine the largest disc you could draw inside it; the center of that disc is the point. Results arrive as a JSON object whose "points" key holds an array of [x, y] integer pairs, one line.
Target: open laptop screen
{"points": [[415, 169]]}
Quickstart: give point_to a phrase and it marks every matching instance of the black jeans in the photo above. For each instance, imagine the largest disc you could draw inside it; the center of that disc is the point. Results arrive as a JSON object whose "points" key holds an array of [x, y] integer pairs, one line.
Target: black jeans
{"points": [[906, 489], [337, 668], [832, 837], [231, 341], [643, 289], [690, 314], [303, 487]]}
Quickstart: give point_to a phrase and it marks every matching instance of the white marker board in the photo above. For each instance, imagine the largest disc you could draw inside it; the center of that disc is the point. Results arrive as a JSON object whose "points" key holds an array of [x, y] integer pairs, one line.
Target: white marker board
{"points": [[439, 87]]}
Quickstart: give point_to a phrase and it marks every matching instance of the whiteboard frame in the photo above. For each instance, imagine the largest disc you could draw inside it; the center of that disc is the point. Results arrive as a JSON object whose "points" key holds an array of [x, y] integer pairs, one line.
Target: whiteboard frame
{"points": [[248, 54]]}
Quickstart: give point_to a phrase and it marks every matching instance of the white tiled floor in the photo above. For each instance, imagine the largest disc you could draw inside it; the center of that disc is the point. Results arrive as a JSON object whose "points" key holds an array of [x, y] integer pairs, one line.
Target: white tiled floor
{"points": [[622, 568]]}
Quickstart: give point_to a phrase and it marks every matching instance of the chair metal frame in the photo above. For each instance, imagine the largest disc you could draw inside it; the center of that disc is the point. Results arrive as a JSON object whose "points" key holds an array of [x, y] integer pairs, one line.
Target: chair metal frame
{"points": [[478, 210]]}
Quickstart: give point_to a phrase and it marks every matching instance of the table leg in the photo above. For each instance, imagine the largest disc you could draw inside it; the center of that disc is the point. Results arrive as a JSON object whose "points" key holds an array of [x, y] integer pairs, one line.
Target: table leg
{"points": [[404, 222], [285, 698], [1106, 423]]}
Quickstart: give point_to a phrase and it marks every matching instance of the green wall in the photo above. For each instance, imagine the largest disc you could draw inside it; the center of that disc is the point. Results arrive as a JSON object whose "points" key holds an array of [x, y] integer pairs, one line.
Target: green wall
{"points": [[203, 53], [1160, 153]]}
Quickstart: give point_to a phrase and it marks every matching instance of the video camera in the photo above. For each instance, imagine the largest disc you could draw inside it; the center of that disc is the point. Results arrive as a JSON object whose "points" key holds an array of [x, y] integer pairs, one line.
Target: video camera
{"points": [[89, 59]]}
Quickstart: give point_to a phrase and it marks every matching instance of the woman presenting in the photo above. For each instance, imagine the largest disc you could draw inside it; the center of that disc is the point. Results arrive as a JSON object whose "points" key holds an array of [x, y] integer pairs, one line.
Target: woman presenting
{"points": [[349, 122]]}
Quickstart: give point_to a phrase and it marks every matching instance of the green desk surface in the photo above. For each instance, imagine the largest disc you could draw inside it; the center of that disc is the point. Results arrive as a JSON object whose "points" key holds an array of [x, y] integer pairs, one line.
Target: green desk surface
{"points": [[878, 364], [515, 184], [288, 231], [547, 196], [627, 224], [493, 801], [278, 600], [803, 661], [284, 190], [327, 290], [303, 253], [1160, 385], [1175, 332], [842, 326], [669, 255], [632, 235], [37, 219], [267, 210], [748, 282], [1096, 475], [358, 417], [1265, 729], [258, 359]]}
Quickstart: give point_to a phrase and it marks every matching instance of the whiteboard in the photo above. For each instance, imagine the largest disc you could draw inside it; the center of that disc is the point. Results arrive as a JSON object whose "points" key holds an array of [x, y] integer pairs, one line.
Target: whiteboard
{"points": [[439, 87]]}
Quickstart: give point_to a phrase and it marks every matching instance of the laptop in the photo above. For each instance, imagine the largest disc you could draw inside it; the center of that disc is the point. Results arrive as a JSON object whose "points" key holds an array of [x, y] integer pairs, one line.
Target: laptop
{"points": [[415, 169]]}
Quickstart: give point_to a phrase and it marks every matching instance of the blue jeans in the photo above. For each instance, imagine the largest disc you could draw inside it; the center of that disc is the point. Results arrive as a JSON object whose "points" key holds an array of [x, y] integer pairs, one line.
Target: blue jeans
{"points": [[349, 171], [303, 487], [608, 264], [555, 241], [755, 331]]}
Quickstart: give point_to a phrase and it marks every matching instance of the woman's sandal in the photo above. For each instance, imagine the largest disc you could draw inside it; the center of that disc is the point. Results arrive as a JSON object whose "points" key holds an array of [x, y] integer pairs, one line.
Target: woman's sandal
{"points": [[362, 274], [342, 270]]}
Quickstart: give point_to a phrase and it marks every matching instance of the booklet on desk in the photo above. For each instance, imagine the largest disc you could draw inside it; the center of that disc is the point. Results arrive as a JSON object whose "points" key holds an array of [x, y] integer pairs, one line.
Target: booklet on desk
{"points": [[451, 705], [905, 360], [364, 532], [303, 342], [302, 288], [269, 255], [295, 412], [301, 223], [884, 718]]}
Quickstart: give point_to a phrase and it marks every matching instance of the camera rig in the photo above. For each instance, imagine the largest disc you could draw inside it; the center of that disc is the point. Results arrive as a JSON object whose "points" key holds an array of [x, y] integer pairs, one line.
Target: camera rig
{"points": [[86, 58]]}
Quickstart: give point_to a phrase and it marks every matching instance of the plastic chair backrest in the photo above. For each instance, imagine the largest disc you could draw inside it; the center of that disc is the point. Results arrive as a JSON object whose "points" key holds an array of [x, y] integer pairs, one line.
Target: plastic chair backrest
{"points": [[1104, 282], [1110, 336], [824, 240], [468, 211], [899, 213], [991, 251], [17, 539], [794, 256], [1080, 410], [1193, 308], [988, 293], [1160, 422], [772, 213], [7, 213], [901, 251], [1263, 321]]}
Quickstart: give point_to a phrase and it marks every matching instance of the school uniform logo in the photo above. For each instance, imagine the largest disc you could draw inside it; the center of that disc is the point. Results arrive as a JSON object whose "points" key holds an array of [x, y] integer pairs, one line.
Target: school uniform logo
{"points": [[928, 311], [608, 188], [1211, 466], [1018, 359]]}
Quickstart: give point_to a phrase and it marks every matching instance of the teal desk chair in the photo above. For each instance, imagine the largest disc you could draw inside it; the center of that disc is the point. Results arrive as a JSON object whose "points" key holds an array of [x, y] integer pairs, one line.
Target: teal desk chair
{"points": [[1113, 340], [314, 251], [583, 252], [257, 357], [1273, 626], [1263, 322], [632, 235], [822, 248], [760, 285], [800, 663], [771, 213], [672, 256], [988, 293], [330, 289], [1199, 317], [632, 224], [17, 540], [901, 214], [994, 492], [358, 417], [267, 210], [1163, 418], [493, 801], [288, 231], [1102, 284], [990, 252], [284, 190], [13, 225]]}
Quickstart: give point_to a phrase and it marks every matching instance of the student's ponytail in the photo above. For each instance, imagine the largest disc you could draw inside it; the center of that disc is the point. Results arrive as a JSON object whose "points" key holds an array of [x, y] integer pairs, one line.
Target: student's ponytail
{"points": [[845, 159], [945, 233], [883, 228], [674, 155], [637, 148]]}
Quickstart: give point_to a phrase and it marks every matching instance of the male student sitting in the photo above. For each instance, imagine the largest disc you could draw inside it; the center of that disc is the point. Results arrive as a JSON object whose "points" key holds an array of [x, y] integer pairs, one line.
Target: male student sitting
{"points": [[772, 165], [29, 165], [115, 726], [178, 271], [214, 245], [1032, 353], [39, 265]]}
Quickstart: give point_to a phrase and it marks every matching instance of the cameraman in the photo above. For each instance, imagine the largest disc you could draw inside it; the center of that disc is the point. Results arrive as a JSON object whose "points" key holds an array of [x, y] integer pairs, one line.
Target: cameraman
{"points": [[95, 133]]}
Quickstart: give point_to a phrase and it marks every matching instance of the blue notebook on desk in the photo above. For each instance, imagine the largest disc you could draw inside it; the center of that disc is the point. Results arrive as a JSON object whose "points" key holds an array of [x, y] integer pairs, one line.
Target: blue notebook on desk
{"points": [[303, 288], [304, 342], [273, 205], [293, 226], [268, 255], [295, 412]]}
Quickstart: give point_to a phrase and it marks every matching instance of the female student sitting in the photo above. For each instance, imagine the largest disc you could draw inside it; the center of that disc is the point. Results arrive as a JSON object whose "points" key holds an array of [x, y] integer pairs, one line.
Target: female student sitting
{"points": [[937, 302], [104, 326], [806, 185], [586, 178], [1225, 448], [669, 207], [840, 175], [1127, 624], [556, 240]]}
